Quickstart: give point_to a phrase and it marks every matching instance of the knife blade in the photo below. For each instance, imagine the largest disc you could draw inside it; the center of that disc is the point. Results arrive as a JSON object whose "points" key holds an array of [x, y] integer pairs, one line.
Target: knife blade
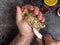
{"points": [[36, 32]]}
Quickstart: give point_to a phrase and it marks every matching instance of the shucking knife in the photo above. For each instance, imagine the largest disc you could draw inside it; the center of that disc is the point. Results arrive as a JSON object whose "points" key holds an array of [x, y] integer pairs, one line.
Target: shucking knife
{"points": [[38, 35]]}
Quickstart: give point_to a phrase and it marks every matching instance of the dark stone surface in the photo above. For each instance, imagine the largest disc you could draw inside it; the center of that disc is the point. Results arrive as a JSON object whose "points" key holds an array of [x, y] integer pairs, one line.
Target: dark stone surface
{"points": [[8, 28]]}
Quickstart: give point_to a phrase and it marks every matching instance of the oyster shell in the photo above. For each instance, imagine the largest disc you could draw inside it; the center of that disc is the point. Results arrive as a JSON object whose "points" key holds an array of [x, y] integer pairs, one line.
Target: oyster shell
{"points": [[31, 19]]}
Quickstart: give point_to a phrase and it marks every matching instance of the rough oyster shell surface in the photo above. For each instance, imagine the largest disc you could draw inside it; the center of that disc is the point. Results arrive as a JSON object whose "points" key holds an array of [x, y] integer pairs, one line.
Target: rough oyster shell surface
{"points": [[31, 19]]}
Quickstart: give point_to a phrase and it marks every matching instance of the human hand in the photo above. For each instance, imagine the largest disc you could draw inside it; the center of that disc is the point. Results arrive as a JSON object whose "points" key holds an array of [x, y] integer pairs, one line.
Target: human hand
{"points": [[48, 40], [24, 28]]}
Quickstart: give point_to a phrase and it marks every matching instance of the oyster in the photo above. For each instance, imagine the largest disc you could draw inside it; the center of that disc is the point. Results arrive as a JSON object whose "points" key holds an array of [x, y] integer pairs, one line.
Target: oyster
{"points": [[31, 19]]}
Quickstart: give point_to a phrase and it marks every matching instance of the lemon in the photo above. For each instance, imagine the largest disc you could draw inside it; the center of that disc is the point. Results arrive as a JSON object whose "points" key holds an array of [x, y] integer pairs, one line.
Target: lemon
{"points": [[50, 2]]}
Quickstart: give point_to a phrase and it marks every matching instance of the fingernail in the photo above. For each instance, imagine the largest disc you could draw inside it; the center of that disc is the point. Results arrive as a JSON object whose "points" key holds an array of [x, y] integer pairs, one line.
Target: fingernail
{"points": [[16, 7]]}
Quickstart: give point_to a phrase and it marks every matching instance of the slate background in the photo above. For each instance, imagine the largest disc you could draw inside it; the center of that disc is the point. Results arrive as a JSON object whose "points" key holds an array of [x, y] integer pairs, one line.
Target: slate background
{"points": [[8, 28]]}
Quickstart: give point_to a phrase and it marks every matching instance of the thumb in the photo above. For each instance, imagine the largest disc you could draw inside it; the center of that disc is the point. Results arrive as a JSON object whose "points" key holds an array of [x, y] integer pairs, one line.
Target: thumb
{"points": [[19, 14], [40, 41], [48, 38]]}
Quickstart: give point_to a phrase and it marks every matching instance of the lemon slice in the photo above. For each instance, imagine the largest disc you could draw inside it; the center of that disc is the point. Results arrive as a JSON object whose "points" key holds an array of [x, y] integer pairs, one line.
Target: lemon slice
{"points": [[50, 2]]}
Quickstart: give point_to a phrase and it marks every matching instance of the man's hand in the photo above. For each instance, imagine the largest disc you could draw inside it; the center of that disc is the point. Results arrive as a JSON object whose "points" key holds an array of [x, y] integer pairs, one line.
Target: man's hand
{"points": [[24, 28], [48, 40]]}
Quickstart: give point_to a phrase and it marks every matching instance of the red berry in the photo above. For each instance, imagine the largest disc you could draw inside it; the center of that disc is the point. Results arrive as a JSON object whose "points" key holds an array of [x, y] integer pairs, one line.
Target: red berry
{"points": [[45, 9], [58, 12]]}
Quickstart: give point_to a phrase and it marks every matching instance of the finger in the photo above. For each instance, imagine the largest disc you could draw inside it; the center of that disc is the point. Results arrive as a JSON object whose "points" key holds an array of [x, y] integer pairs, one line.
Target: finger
{"points": [[36, 10], [19, 14], [48, 38], [40, 41], [43, 20], [39, 17], [30, 7]]}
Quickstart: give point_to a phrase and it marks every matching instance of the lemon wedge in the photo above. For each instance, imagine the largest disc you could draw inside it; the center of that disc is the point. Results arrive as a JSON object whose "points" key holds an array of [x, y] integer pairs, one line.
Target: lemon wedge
{"points": [[51, 2]]}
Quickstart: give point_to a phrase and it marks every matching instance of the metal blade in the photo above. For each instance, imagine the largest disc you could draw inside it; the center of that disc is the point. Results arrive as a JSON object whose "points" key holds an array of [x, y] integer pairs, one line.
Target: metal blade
{"points": [[39, 35]]}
